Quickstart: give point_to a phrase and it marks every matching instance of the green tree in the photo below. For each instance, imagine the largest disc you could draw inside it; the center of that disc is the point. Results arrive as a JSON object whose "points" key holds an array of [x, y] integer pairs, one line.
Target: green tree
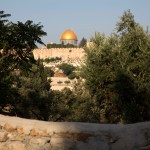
{"points": [[67, 68], [62, 45], [117, 74], [67, 105], [34, 92], [17, 40], [83, 42], [134, 61], [99, 74], [49, 71], [3, 15]]}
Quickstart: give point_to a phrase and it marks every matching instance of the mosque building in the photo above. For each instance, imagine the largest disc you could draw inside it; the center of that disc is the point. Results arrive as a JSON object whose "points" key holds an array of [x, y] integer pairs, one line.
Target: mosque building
{"points": [[68, 37], [70, 55], [67, 54]]}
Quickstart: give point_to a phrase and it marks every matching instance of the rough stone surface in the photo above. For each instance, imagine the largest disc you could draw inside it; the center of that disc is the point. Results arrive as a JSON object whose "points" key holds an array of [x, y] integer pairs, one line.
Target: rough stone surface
{"points": [[24, 134], [16, 146], [8, 127], [20, 130], [33, 132], [3, 136], [41, 141], [63, 53]]}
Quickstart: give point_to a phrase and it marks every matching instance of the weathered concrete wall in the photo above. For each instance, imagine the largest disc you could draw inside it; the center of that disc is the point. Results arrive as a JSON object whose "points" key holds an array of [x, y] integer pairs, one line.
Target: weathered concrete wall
{"points": [[25, 134], [64, 53]]}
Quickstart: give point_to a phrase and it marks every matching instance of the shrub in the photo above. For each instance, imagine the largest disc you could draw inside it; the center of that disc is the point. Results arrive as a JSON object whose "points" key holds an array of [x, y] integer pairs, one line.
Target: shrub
{"points": [[67, 82], [67, 68], [71, 76], [59, 82]]}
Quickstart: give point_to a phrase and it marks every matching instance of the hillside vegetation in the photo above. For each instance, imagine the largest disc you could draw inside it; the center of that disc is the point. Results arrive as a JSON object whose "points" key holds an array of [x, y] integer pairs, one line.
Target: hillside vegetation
{"points": [[114, 82]]}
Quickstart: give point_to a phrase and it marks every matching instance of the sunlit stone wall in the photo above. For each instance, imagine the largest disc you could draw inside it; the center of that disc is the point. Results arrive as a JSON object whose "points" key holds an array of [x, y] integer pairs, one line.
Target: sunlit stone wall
{"points": [[64, 53]]}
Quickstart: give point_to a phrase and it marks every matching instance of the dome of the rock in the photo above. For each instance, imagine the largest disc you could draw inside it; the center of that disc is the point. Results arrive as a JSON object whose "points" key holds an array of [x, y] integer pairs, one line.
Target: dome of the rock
{"points": [[68, 37]]}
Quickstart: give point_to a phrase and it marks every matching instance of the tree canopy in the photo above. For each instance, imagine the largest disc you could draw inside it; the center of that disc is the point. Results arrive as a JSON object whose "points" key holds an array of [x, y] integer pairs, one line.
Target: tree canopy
{"points": [[17, 40], [83, 42], [115, 83], [117, 73]]}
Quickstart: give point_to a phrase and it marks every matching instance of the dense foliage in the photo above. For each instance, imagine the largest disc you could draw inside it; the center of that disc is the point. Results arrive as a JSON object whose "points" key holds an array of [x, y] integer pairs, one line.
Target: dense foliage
{"points": [[50, 60], [17, 40], [68, 70], [82, 42], [117, 73], [62, 45], [116, 84]]}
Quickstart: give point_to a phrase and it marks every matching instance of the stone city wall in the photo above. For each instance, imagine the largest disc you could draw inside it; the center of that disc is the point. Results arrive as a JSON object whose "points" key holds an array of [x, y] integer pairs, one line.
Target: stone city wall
{"points": [[64, 53], [24, 134]]}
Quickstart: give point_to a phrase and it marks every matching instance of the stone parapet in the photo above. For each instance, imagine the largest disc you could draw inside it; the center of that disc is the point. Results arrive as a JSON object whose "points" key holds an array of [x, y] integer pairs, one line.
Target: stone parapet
{"points": [[24, 134]]}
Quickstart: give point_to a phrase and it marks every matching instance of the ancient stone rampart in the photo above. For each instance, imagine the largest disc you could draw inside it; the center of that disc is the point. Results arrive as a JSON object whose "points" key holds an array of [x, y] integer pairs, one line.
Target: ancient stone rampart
{"points": [[64, 53], [24, 134]]}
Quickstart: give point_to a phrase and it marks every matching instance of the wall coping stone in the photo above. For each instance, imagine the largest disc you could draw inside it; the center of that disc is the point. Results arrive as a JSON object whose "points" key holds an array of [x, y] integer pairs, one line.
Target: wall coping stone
{"points": [[17, 132]]}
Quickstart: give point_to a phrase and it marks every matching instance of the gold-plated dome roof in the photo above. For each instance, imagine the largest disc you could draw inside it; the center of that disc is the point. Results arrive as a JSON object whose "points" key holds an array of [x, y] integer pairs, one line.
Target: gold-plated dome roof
{"points": [[68, 35]]}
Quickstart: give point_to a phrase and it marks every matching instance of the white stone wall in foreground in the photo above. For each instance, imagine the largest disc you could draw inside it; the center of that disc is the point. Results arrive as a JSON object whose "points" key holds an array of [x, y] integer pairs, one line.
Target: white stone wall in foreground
{"points": [[24, 134]]}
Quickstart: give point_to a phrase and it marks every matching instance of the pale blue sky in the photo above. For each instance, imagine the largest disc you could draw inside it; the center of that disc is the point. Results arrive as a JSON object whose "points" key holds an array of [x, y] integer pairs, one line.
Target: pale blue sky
{"points": [[84, 17]]}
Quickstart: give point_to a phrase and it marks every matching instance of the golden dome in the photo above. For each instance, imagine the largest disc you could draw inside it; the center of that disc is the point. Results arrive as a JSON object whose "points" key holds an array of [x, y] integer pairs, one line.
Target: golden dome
{"points": [[68, 35]]}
